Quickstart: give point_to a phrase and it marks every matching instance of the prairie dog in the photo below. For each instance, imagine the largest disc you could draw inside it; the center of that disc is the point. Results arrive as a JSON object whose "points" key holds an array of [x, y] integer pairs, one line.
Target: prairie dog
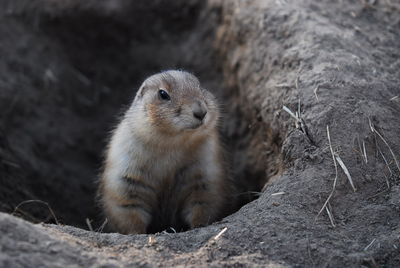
{"points": [[164, 166]]}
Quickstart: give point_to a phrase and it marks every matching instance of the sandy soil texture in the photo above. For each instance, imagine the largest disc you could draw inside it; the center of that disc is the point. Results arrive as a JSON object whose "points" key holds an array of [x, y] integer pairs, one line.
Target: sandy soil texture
{"points": [[287, 73]]}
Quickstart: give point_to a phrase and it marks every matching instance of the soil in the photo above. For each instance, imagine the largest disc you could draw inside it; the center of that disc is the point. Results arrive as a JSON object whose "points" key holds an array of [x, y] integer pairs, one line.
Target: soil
{"points": [[68, 70]]}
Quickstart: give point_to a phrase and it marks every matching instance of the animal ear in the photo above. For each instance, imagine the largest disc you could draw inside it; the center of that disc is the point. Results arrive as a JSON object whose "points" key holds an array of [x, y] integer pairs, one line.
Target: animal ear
{"points": [[141, 90]]}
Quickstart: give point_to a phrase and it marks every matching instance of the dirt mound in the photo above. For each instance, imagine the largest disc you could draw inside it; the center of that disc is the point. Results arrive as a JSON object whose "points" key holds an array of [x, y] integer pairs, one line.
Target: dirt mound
{"points": [[68, 69]]}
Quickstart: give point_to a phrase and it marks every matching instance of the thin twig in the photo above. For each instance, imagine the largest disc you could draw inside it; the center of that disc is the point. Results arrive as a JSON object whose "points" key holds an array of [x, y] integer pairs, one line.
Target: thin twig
{"points": [[100, 229], [365, 153], [152, 240], [336, 172], [29, 216], [387, 181], [40, 202], [10, 163], [299, 109], [386, 162], [360, 148], [370, 244], [278, 193], [346, 171], [316, 91], [220, 233], [390, 149], [330, 216], [300, 124], [89, 224], [290, 113]]}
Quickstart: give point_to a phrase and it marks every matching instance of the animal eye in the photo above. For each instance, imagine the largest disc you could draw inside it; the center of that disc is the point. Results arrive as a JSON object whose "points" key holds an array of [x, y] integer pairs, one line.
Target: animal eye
{"points": [[163, 94]]}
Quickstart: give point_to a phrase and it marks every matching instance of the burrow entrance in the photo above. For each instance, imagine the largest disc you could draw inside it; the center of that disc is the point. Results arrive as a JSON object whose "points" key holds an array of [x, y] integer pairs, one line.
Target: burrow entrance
{"points": [[69, 73]]}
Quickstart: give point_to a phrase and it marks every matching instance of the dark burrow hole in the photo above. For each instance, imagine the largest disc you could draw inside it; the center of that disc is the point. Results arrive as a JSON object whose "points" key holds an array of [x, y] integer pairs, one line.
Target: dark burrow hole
{"points": [[86, 69]]}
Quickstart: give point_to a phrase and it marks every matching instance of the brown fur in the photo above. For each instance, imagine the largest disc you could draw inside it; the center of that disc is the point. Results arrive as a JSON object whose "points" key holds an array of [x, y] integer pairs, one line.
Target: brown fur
{"points": [[164, 167]]}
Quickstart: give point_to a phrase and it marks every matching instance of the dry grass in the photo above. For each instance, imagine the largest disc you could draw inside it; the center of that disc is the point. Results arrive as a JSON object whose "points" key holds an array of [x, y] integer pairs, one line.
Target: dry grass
{"points": [[373, 129], [300, 124], [330, 215], [101, 228], [291, 113], [339, 162], [17, 208], [336, 160], [220, 233], [370, 244], [89, 224], [386, 162], [365, 153], [336, 173], [316, 92], [362, 150], [346, 171], [278, 193]]}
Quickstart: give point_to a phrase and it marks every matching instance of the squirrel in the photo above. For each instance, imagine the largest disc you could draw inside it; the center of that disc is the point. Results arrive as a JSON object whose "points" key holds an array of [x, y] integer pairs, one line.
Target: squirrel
{"points": [[164, 166]]}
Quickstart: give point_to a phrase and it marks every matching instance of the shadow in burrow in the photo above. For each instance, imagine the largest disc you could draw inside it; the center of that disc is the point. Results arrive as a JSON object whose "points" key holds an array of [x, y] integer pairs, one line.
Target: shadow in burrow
{"points": [[103, 59]]}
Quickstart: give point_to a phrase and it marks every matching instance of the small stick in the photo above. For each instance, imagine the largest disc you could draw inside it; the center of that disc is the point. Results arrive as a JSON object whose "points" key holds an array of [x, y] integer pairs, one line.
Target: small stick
{"points": [[390, 149], [315, 92], [100, 229], [394, 98], [40, 202], [300, 124], [278, 193], [297, 125], [152, 240], [336, 172], [10, 163], [330, 216], [282, 86], [365, 153], [370, 125], [360, 148], [220, 233], [380, 136], [370, 244], [299, 109], [387, 181], [32, 218], [89, 224], [290, 113], [346, 171], [386, 162]]}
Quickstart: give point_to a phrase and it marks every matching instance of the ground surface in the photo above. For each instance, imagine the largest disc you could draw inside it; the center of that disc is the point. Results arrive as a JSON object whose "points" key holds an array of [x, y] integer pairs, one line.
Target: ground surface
{"points": [[68, 69]]}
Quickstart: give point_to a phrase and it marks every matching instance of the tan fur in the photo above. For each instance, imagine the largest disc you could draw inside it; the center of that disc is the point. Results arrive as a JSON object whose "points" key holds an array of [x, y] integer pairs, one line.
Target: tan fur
{"points": [[164, 165]]}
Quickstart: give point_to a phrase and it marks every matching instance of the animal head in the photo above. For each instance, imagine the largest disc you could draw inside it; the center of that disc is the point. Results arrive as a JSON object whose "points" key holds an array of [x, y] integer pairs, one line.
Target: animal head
{"points": [[175, 103]]}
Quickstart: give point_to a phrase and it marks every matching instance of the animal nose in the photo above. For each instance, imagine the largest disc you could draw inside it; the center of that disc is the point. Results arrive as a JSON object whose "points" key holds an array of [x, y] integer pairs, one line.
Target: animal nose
{"points": [[199, 110]]}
